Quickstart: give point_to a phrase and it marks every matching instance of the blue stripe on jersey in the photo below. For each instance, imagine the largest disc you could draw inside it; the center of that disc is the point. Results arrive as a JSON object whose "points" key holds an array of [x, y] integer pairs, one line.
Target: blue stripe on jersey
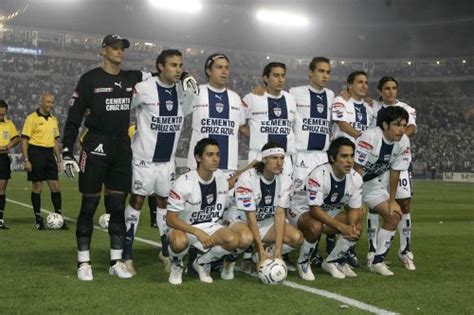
{"points": [[219, 108], [336, 193], [266, 207], [318, 109], [277, 109], [208, 203], [168, 99], [382, 164], [361, 115]]}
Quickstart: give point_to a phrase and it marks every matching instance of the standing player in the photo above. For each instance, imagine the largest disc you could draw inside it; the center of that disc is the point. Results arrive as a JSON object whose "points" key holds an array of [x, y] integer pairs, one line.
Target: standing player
{"points": [[195, 207], [381, 153], [354, 116], [42, 157], [8, 140], [106, 156], [334, 196], [388, 91], [263, 193], [161, 105]]}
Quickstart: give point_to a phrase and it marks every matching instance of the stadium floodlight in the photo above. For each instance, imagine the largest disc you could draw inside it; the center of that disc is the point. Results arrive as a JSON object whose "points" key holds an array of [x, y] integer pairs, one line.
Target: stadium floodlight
{"points": [[184, 6], [409, 63], [282, 18], [463, 61]]}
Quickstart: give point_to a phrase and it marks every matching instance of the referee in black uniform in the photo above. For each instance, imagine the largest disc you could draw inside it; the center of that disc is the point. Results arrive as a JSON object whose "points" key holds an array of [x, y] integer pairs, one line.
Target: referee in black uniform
{"points": [[106, 156]]}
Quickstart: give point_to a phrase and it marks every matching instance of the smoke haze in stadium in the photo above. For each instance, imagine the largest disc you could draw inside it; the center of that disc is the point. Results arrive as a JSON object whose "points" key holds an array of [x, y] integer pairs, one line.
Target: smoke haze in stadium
{"points": [[338, 28]]}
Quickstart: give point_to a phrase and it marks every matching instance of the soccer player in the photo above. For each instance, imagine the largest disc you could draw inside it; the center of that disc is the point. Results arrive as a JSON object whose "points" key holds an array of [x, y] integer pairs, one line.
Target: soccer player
{"points": [[161, 105], [9, 139], [354, 116], [388, 91], [195, 207], [271, 116], [381, 153], [42, 155], [106, 156], [334, 196], [263, 193]]}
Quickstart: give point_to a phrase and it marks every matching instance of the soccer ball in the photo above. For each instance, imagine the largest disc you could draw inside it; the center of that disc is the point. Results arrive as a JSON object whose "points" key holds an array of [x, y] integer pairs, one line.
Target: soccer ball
{"points": [[272, 271], [54, 221], [104, 220]]}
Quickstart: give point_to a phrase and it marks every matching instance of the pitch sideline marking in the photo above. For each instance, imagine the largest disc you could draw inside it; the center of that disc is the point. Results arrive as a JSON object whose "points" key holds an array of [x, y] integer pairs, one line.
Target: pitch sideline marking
{"points": [[333, 296]]}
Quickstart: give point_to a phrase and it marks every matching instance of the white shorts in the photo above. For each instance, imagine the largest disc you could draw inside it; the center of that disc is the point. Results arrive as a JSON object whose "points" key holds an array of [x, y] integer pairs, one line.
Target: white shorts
{"points": [[405, 185], [287, 166], [305, 162], [210, 228], [295, 213], [233, 215], [375, 191], [264, 226], [152, 178]]}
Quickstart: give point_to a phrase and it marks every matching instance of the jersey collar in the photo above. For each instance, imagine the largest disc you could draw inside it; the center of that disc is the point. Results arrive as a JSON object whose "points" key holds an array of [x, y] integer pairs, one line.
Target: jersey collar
{"points": [[312, 89], [216, 90], [42, 115]]}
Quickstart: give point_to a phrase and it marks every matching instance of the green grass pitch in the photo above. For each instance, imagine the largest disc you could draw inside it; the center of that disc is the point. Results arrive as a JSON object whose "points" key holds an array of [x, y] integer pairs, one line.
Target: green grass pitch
{"points": [[38, 268]]}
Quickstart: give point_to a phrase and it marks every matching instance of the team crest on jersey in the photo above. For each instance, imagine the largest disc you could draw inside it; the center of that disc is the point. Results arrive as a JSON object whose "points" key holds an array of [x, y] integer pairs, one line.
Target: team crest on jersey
{"points": [[5, 135], [219, 107], [320, 108], [268, 200], [359, 116], [169, 104], [277, 111], [334, 196], [209, 198]]}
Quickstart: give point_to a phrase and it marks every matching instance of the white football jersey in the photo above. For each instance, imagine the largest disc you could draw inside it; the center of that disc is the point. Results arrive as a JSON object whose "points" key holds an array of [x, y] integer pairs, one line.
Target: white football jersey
{"points": [[199, 201], [271, 118], [411, 111], [313, 118], [357, 113], [379, 155], [217, 114], [254, 193], [328, 192], [160, 110]]}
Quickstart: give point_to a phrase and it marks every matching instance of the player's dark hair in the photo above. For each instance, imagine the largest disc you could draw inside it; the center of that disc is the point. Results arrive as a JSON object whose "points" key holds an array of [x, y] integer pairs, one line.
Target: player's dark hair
{"points": [[351, 77], [260, 166], [268, 68], [384, 80], [335, 145], [389, 114], [161, 59], [201, 147], [3, 104], [211, 59], [316, 60]]}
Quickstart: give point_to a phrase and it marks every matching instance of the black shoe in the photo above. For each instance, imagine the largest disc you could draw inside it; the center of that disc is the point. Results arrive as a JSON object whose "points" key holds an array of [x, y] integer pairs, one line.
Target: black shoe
{"points": [[351, 258], [39, 225], [65, 226], [3, 226], [288, 262], [316, 259], [217, 265]]}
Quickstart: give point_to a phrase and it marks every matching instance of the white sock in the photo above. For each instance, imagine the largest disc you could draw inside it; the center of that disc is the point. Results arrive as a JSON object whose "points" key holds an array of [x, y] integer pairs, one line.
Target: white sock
{"points": [[372, 227], [306, 250], [161, 220], [116, 254], [404, 229], [340, 249], [384, 242], [83, 256], [132, 217], [177, 257], [213, 254]]}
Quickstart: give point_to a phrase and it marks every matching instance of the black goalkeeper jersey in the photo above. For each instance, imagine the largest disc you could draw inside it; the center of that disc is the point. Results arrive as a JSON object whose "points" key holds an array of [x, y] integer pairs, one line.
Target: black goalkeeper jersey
{"points": [[107, 98]]}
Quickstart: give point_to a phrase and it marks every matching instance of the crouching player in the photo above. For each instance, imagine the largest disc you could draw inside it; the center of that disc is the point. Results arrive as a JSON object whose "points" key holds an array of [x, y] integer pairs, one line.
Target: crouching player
{"points": [[264, 194], [196, 204], [381, 153], [334, 192]]}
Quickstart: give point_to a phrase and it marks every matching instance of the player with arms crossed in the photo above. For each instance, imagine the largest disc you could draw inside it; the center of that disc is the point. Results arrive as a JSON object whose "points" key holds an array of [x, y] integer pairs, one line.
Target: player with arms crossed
{"points": [[388, 91], [263, 193], [106, 156], [161, 105], [381, 153], [195, 208]]}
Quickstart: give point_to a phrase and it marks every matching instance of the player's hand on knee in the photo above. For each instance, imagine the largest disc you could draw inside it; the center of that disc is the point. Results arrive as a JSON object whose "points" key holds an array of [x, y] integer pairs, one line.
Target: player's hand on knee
{"points": [[395, 208], [205, 239], [69, 164], [189, 83], [349, 232]]}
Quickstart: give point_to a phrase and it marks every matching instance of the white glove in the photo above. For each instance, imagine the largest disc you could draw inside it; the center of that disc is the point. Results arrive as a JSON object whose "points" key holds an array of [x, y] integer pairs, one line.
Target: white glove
{"points": [[69, 164], [189, 82]]}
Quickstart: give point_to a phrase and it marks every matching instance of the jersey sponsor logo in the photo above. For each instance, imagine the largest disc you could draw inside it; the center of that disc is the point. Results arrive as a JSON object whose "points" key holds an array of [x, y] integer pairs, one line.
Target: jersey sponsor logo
{"points": [[361, 156], [265, 212], [243, 190], [312, 194], [99, 150], [103, 90], [365, 145], [246, 201], [170, 92], [337, 106], [222, 192], [315, 125], [174, 195], [119, 84], [406, 151], [217, 126], [219, 97], [313, 183]]}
